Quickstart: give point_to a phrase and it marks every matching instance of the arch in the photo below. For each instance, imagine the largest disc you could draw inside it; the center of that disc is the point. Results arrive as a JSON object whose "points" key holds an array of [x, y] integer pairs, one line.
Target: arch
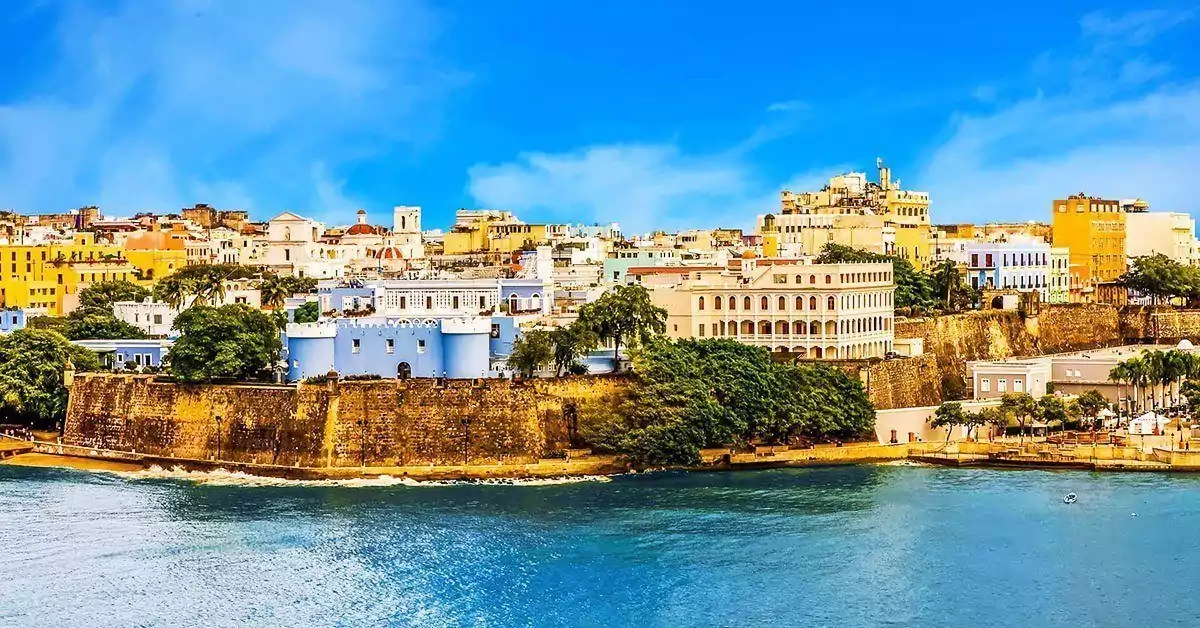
{"points": [[830, 328], [700, 304], [287, 233], [799, 280], [764, 304], [717, 302], [814, 327], [764, 328], [998, 303], [782, 304], [781, 349], [828, 278], [799, 303], [830, 303], [800, 352], [403, 370], [782, 328], [812, 303], [817, 353], [732, 303], [747, 328], [513, 303], [812, 279], [831, 353], [722, 327], [746, 303], [535, 301]]}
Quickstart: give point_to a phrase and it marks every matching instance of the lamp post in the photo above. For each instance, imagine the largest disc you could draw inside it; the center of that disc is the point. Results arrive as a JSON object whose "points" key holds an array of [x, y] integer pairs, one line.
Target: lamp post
{"points": [[218, 418]]}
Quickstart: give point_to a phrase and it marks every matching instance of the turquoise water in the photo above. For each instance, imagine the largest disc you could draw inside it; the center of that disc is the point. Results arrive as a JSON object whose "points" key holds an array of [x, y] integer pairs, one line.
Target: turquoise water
{"points": [[850, 546]]}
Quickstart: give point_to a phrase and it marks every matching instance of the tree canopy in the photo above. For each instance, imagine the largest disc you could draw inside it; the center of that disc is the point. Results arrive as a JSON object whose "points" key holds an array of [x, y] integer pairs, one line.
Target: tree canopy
{"points": [[691, 394], [231, 342], [942, 288], [32, 363], [1162, 279], [205, 282], [310, 312], [623, 315], [274, 290], [532, 350], [103, 294]]}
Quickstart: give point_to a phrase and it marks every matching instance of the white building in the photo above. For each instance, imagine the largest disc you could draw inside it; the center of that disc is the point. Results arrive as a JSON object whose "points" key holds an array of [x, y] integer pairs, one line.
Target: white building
{"points": [[1168, 233]]}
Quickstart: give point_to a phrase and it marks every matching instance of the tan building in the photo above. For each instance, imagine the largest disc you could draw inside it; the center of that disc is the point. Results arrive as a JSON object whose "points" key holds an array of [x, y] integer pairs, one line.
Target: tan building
{"points": [[1168, 233], [877, 216], [818, 311]]}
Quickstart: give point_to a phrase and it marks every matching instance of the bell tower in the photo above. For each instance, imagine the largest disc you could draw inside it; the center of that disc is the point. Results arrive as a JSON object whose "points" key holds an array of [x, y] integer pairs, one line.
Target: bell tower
{"points": [[406, 229]]}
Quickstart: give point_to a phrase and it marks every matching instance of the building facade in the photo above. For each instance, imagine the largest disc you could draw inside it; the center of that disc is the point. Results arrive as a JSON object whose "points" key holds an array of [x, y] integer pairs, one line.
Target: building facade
{"points": [[1093, 230], [394, 347], [1160, 233], [814, 311], [1021, 266]]}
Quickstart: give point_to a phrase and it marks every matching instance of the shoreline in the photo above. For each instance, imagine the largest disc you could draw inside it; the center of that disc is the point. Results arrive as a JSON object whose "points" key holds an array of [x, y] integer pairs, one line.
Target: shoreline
{"points": [[51, 455]]}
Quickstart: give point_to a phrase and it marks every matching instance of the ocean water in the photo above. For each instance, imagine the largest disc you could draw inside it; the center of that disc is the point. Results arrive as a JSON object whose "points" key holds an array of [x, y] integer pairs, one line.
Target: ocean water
{"points": [[848, 546]]}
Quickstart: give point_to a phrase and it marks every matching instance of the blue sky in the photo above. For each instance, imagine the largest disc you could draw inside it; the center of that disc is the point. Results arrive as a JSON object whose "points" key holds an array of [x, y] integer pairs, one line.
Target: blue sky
{"points": [[657, 114]]}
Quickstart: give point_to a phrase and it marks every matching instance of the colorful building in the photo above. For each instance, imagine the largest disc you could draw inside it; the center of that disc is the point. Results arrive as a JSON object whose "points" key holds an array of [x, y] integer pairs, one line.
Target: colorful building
{"points": [[1093, 229], [49, 276]]}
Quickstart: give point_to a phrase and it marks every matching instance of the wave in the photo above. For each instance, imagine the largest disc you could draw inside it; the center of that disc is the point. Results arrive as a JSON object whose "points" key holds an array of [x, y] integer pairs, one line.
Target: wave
{"points": [[223, 477]]}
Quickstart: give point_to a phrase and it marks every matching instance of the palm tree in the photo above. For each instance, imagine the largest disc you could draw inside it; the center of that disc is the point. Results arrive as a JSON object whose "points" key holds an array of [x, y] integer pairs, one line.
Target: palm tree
{"points": [[211, 287], [173, 291], [274, 292], [1118, 374]]}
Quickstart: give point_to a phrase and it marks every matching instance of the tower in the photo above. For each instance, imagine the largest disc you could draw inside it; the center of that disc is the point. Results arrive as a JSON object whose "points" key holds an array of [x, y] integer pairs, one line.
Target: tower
{"points": [[406, 229]]}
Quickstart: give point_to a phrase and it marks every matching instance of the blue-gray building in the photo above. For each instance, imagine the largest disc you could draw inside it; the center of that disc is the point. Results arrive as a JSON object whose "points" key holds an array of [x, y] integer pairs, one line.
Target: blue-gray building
{"points": [[13, 319], [458, 347], [129, 354]]}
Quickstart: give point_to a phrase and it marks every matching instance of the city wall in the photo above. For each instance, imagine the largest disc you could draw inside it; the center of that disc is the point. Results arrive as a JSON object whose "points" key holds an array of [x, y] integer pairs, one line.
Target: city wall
{"points": [[382, 423], [952, 341]]}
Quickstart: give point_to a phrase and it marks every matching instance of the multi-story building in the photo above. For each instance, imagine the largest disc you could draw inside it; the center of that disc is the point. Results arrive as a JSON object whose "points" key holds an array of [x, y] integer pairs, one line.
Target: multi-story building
{"points": [[48, 276], [620, 260], [439, 297], [1021, 266], [818, 311], [13, 319], [876, 216], [1059, 276], [1166, 233], [488, 231], [1093, 229]]}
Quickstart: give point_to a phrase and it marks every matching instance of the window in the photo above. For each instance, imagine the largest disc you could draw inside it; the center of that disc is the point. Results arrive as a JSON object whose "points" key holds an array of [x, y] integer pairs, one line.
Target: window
{"points": [[780, 278], [1018, 385], [700, 304], [420, 346], [158, 319], [746, 303], [782, 304], [1002, 385], [830, 303], [812, 303], [429, 303], [717, 303], [701, 330], [732, 303], [455, 303], [828, 279], [391, 346], [354, 345], [812, 279], [404, 303], [764, 303]]}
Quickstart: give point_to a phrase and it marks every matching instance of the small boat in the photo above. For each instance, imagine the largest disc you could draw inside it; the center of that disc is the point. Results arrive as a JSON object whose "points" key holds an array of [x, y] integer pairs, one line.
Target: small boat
{"points": [[1070, 498]]}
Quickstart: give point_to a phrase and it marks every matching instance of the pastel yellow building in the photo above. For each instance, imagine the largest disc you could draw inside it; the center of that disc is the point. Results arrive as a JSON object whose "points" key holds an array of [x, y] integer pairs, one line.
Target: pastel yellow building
{"points": [[156, 254], [1093, 230], [49, 276], [492, 232]]}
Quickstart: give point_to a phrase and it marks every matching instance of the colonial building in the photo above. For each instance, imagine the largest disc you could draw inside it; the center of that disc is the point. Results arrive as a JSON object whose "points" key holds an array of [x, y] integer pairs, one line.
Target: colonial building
{"points": [[819, 311], [1020, 266], [1093, 229]]}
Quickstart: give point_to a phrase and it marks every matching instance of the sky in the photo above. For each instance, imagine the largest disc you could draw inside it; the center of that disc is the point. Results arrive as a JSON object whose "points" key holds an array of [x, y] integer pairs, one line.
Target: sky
{"points": [[656, 114]]}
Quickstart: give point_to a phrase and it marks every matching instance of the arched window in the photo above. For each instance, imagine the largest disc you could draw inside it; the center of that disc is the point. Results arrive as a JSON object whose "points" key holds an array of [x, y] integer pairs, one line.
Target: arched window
{"points": [[287, 233], [812, 303], [814, 327], [830, 303], [732, 303], [717, 303], [746, 303], [812, 279], [700, 304], [763, 304], [799, 303], [828, 279], [535, 302], [782, 303], [512, 303], [799, 280]]}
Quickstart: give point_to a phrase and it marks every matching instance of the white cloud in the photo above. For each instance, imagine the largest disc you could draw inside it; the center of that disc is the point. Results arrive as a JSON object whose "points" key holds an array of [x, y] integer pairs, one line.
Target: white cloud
{"points": [[1107, 126], [642, 186], [153, 105], [788, 105]]}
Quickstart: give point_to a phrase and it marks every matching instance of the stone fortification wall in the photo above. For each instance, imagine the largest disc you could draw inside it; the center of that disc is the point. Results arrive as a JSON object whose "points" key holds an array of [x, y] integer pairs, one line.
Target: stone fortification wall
{"points": [[904, 383], [333, 424]]}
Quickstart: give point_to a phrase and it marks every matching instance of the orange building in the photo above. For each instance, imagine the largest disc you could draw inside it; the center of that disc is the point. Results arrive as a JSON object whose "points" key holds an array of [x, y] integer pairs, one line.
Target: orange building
{"points": [[1093, 230]]}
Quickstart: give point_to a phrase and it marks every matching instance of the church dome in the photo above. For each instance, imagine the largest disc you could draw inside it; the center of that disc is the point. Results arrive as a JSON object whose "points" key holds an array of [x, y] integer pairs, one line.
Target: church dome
{"points": [[389, 252]]}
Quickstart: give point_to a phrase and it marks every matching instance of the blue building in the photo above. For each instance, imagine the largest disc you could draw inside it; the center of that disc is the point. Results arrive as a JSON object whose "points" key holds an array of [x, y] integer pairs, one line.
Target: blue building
{"points": [[12, 319], [1020, 266], [123, 355], [457, 347], [439, 298]]}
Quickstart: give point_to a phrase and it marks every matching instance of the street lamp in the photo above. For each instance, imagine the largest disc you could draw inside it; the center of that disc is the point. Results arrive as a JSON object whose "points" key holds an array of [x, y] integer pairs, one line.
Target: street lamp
{"points": [[218, 418]]}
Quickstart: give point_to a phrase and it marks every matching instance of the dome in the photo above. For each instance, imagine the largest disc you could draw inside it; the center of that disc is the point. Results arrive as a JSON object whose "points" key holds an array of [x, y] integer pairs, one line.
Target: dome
{"points": [[364, 229], [748, 255], [1184, 345], [389, 252]]}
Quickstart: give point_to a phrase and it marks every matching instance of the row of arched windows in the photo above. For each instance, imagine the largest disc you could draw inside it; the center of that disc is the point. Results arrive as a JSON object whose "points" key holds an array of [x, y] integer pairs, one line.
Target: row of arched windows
{"points": [[799, 328], [731, 303]]}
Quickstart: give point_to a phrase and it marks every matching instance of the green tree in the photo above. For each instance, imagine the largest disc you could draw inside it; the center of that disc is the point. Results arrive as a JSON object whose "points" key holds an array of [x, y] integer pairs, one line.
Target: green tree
{"points": [[1161, 278], [174, 290], [624, 315], [572, 342], [32, 363], [1021, 407], [93, 323], [532, 350], [948, 415], [275, 290], [231, 342], [1091, 402], [914, 290], [310, 312], [1050, 408], [991, 416], [104, 294]]}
